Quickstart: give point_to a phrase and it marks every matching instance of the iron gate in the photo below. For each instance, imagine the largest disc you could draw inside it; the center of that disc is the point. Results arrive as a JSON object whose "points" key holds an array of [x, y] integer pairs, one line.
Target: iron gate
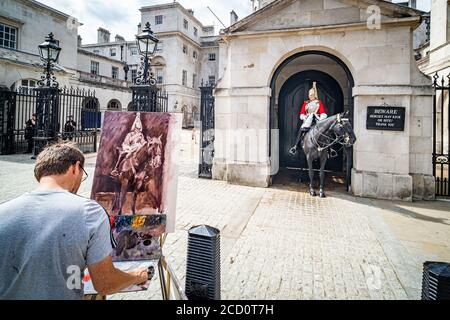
{"points": [[441, 134], [18, 106], [206, 132]]}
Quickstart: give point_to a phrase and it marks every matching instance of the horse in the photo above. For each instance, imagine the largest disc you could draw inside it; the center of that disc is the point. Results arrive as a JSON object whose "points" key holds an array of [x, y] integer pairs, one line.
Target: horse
{"points": [[317, 143], [134, 173]]}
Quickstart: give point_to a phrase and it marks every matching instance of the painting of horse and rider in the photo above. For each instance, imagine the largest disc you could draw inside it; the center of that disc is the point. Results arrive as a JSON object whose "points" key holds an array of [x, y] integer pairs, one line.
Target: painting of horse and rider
{"points": [[136, 170]]}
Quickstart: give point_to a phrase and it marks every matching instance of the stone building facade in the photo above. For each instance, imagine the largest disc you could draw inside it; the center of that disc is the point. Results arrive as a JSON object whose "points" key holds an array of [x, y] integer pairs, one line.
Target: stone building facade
{"points": [[28, 23], [362, 51]]}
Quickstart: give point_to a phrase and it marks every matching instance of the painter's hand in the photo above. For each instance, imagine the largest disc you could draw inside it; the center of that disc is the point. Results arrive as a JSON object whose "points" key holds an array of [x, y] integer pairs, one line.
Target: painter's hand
{"points": [[141, 275]]}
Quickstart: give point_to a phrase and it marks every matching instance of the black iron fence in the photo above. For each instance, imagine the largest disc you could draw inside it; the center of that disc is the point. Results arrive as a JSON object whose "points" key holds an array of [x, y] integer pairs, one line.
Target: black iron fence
{"points": [[76, 116], [207, 104], [441, 134], [148, 98]]}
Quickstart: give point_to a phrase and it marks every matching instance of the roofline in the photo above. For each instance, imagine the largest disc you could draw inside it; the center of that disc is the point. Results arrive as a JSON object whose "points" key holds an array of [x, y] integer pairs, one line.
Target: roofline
{"points": [[90, 53], [48, 8], [382, 3], [171, 5]]}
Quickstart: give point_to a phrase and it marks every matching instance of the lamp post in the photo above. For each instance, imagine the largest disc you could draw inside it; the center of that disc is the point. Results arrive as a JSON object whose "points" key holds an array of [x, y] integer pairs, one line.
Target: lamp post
{"points": [[47, 102], [145, 90]]}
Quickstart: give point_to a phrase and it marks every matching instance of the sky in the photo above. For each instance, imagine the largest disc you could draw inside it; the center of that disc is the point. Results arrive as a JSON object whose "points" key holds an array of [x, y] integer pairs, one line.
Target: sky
{"points": [[122, 16]]}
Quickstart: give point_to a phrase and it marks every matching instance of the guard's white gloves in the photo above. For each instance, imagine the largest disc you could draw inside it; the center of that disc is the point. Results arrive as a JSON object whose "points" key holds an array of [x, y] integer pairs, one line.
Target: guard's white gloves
{"points": [[302, 117], [323, 116]]}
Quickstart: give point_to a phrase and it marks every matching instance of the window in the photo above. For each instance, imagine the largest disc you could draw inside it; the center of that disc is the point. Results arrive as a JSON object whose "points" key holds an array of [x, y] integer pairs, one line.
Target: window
{"points": [[95, 66], [159, 47], [96, 51], [185, 49], [115, 72], [194, 80], [195, 31], [158, 19], [194, 54], [133, 50], [212, 57], [8, 36], [159, 76], [184, 80], [212, 80], [114, 105], [133, 75], [185, 24], [28, 83], [112, 52]]}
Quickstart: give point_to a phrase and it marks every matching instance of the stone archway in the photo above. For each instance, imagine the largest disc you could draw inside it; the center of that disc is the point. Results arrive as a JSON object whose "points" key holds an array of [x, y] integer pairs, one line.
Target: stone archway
{"points": [[330, 71]]}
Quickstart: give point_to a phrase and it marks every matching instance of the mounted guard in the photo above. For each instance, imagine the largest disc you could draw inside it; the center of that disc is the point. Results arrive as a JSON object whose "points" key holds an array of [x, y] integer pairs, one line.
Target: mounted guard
{"points": [[311, 111]]}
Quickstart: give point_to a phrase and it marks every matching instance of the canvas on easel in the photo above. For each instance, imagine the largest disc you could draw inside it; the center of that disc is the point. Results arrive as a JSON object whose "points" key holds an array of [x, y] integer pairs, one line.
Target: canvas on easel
{"points": [[135, 180]]}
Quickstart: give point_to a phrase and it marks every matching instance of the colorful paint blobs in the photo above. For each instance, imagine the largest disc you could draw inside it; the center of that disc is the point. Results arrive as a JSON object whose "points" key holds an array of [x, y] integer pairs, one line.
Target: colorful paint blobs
{"points": [[137, 237]]}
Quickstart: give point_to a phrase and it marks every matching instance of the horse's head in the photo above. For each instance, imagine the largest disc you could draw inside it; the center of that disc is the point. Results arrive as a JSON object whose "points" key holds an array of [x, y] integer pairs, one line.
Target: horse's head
{"points": [[155, 147], [343, 128]]}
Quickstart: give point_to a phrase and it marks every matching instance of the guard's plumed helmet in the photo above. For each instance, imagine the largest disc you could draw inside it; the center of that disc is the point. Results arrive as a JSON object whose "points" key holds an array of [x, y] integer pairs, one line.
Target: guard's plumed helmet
{"points": [[137, 124], [313, 90]]}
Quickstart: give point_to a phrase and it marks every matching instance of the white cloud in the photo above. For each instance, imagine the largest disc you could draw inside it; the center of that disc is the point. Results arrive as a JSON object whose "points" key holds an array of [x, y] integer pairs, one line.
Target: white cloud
{"points": [[122, 16]]}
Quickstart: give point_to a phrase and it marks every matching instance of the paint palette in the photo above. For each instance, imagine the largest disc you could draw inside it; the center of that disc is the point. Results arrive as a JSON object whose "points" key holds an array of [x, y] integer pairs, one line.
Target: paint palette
{"points": [[137, 237]]}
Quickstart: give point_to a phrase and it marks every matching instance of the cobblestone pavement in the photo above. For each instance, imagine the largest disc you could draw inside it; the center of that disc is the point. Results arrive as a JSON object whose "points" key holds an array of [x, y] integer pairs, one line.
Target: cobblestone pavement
{"points": [[283, 244]]}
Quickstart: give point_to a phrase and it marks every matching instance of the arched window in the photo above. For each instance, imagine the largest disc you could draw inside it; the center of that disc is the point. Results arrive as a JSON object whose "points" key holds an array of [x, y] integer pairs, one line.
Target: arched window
{"points": [[114, 105], [25, 84]]}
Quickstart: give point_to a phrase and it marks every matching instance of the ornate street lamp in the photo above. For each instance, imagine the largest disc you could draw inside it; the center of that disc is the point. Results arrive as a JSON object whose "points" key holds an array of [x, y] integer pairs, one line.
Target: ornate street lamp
{"points": [[47, 102], [147, 43], [144, 90], [49, 52]]}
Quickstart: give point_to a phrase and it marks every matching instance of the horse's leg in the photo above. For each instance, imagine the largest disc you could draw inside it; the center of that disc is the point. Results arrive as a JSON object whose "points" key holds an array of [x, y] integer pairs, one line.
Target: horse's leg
{"points": [[123, 194], [133, 208], [312, 192], [323, 161]]}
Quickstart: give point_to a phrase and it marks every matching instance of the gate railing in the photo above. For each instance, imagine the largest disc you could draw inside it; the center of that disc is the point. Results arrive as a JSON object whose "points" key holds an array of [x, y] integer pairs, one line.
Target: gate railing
{"points": [[18, 106], [207, 105], [441, 134]]}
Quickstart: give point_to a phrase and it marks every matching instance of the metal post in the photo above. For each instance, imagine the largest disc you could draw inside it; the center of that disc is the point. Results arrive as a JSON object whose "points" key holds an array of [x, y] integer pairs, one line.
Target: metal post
{"points": [[47, 118]]}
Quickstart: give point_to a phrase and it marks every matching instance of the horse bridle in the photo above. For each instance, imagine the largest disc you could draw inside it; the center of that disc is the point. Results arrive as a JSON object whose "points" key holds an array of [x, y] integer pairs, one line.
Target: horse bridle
{"points": [[342, 140]]}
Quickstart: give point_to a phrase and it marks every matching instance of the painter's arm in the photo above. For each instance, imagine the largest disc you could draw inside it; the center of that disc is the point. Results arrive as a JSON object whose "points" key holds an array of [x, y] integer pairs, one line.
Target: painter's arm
{"points": [[108, 280]]}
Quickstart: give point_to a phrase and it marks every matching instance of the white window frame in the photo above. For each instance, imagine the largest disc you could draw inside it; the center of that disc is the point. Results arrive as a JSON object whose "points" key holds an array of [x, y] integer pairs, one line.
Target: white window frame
{"points": [[133, 50], [8, 34], [186, 24], [194, 80], [185, 49], [112, 52], [159, 19], [212, 82], [194, 54], [133, 75], [116, 76], [159, 76], [95, 70], [212, 57]]}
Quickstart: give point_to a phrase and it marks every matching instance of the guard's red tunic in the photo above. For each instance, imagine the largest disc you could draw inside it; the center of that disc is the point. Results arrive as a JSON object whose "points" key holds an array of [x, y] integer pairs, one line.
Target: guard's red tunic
{"points": [[319, 112]]}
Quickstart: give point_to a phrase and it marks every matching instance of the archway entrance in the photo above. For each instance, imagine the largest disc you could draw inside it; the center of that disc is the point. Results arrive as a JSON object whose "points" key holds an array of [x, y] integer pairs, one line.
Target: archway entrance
{"points": [[290, 85]]}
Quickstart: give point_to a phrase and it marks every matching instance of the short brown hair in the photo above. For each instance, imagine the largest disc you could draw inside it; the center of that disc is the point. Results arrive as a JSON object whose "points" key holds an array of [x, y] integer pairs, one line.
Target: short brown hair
{"points": [[56, 159]]}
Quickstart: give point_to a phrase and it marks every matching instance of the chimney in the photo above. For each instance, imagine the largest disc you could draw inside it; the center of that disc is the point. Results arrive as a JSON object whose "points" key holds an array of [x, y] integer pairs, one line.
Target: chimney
{"points": [[103, 36], [139, 30], [119, 38], [233, 17], [80, 40]]}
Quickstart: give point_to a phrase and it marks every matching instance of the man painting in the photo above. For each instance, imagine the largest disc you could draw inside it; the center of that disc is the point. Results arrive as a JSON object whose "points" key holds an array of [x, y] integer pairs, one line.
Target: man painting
{"points": [[49, 236], [134, 140], [312, 110]]}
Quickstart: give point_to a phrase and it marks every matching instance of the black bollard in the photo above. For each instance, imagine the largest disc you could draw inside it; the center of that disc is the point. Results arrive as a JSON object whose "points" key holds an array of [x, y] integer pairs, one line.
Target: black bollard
{"points": [[436, 281], [203, 264]]}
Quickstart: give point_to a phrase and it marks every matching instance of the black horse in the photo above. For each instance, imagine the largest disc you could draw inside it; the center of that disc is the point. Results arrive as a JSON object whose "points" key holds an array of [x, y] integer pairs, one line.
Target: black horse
{"points": [[317, 143]]}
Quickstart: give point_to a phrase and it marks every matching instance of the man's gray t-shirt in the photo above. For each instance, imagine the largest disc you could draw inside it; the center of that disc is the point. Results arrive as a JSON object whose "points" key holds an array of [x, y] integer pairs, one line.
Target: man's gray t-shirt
{"points": [[47, 238]]}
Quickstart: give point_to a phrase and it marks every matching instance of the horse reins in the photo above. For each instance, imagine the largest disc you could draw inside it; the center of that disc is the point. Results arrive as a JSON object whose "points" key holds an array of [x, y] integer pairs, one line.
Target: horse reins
{"points": [[337, 140]]}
